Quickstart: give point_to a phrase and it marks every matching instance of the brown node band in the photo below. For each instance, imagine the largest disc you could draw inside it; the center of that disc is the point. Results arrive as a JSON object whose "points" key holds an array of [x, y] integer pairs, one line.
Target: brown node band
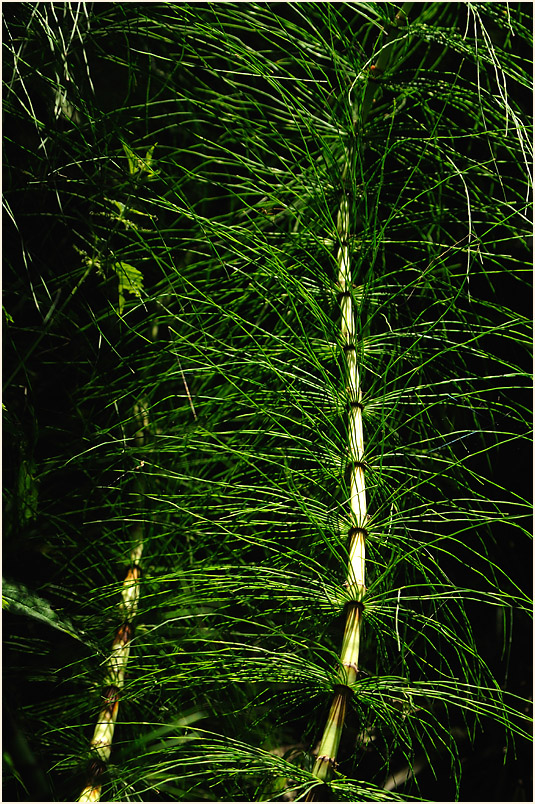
{"points": [[360, 605], [355, 404], [124, 633], [348, 347], [95, 770], [359, 465], [354, 531], [342, 689], [110, 694], [133, 573]]}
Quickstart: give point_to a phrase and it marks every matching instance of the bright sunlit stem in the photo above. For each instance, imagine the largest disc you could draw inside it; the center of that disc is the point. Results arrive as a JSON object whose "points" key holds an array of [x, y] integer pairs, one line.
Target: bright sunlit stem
{"points": [[349, 656]]}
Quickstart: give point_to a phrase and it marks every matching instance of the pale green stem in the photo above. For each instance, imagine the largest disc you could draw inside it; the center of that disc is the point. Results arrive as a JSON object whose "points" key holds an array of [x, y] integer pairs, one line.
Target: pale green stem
{"points": [[348, 670], [349, 656]]}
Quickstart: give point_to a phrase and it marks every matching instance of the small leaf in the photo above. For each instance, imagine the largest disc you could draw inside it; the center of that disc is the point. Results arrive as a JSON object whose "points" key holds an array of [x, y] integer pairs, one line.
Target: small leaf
{"points": [[138, 165], [130, 281], [18, 599]]}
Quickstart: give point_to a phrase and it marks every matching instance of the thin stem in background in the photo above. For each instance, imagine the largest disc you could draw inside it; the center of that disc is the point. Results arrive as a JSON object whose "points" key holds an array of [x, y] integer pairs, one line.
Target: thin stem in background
{"points": [[113, 682]]}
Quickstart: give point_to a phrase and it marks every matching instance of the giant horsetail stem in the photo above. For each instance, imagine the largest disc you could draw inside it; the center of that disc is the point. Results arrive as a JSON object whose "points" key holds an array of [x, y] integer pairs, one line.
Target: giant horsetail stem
{"points": [[355, 580]]}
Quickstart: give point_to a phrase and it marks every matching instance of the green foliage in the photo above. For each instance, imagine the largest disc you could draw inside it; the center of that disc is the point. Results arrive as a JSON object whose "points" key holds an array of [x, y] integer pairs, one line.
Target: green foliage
{"points": [[130, 281], [20, 600], [175, 374], [137, 165]]}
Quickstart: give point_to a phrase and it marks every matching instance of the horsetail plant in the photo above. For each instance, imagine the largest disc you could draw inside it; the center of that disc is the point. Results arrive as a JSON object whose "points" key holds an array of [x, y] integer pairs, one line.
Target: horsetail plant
{"points": [[267, 334]]}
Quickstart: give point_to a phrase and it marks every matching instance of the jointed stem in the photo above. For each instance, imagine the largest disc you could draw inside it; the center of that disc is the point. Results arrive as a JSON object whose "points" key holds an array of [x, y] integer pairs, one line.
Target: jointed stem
{"points": [[349, 657], [114, 680], [357, 551], [116, 665]]}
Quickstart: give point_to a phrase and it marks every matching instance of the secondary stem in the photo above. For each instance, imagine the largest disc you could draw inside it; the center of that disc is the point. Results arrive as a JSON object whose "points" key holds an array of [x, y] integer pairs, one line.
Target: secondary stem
{"points": [[113, 682]]}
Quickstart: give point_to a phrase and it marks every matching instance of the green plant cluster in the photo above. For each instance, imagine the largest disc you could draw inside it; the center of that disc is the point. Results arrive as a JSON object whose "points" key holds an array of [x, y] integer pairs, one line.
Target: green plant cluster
{"points": [[175, 373]]}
